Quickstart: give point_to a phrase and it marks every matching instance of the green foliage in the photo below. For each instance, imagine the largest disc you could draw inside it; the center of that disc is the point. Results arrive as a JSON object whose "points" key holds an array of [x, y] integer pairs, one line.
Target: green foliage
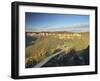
{"points": [[45, 46]]}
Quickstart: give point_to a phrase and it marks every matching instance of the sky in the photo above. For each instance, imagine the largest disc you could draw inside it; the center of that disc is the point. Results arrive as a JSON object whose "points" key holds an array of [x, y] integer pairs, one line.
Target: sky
{"points": [[37, 22]]}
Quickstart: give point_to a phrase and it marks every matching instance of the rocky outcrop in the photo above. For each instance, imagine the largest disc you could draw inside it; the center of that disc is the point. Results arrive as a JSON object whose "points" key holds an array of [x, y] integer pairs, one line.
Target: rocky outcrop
{"points": [[72, 58]]}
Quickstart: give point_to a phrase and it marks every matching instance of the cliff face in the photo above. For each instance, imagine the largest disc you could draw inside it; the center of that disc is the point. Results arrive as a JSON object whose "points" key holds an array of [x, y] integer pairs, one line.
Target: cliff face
{"points": [[72, 58]]}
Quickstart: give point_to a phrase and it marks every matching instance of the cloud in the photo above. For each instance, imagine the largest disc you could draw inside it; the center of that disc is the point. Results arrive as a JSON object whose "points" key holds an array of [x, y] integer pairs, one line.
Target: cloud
{"points": [[73, 28]]}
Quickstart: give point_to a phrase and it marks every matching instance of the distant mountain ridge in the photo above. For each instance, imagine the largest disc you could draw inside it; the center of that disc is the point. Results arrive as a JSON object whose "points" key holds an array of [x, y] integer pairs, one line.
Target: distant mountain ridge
{"points": [[56, 32]]}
